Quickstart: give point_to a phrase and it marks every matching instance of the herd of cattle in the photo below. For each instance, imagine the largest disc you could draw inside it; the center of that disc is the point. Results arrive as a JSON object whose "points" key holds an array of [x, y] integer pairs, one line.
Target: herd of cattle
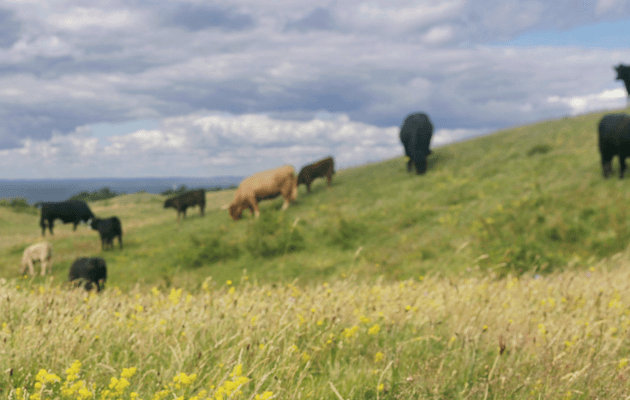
{"points": [[92, 272], [415, 135]]}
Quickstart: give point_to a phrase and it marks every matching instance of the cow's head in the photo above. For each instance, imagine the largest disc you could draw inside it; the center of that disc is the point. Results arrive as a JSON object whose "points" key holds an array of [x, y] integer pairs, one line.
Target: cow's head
{"points": [[169, 203], [93, 222], [236, 211], [623, 72], [421, 164]]}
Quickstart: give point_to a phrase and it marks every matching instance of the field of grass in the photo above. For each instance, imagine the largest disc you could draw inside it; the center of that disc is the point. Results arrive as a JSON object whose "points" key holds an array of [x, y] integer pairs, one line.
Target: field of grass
{"points": [[501, 273]]}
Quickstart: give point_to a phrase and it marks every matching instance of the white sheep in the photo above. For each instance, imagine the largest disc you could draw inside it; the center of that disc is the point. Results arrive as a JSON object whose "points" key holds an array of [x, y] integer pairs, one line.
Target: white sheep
{"points": [[42, 252]]}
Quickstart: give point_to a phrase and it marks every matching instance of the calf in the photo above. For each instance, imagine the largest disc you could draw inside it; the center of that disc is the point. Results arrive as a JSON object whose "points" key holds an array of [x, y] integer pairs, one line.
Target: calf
{"points": [[41, 252], [67, 211], [614, 139], [90, 271], [108, 229], [307, 175], [264, 185], [188, 199]]}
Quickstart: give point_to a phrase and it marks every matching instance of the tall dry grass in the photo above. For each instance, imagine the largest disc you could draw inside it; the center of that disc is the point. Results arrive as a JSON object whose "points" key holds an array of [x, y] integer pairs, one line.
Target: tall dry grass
{"points": [[563, 335]]}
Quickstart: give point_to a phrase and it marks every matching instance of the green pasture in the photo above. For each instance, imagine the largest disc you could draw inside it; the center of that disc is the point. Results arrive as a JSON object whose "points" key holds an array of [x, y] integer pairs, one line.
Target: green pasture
{"points": [[528, 198]]}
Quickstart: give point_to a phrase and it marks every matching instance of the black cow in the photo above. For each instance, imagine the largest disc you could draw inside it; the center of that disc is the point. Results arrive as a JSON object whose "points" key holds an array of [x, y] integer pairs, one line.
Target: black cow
{"points": [[188, 199], [90, 271], [307, 175], [415, 135], [623, 74], [614, 139], [73, 211], [108, 229]]}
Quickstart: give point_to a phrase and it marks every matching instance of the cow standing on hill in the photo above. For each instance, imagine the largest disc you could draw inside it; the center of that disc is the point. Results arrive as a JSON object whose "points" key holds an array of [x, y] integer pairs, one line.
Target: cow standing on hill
{"points": [[307, 175], [73, 211], [623, 74], [90, 271], [614, 139], [188, 199], [41, 252], [108, 229], [261, 186], [415, 135]]}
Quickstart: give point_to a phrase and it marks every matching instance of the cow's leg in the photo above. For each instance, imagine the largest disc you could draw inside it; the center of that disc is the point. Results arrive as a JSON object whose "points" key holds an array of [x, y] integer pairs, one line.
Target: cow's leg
{"points": [[51, 223], [42, 223], [285, 205], [120, 241], [46, 264], [622, 165], [329, 178], [253, 205], [31, 269], [409, 164], [75, 226], [308, 187], [201, 208]]}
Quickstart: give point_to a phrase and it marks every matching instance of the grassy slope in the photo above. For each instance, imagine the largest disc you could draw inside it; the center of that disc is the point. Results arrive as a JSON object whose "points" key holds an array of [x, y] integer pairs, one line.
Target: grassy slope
{"points": [[526, 198]]}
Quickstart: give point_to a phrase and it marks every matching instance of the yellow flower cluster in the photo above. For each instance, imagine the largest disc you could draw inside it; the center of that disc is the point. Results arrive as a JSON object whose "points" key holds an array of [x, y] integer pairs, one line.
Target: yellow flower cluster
{"points": [[49, 386]]}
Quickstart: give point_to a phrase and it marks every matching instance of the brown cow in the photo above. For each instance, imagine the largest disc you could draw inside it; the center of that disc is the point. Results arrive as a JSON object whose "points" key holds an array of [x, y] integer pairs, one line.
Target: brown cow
{"points": [[321, 168], [261, 186]]}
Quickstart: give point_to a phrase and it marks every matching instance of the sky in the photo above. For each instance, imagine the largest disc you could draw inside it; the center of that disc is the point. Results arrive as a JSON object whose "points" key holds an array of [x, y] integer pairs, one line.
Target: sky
{"points": [[138, 88]]}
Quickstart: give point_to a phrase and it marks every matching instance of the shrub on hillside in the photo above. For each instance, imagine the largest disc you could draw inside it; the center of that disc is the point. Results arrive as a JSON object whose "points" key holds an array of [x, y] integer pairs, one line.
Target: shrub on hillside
{"points": [[19, 204], [210, 250], [272, 235], [345, 233], [100, 194]]}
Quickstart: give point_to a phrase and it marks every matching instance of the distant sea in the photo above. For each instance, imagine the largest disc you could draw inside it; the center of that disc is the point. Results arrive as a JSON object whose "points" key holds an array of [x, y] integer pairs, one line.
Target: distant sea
{"points": [[61, 189]]}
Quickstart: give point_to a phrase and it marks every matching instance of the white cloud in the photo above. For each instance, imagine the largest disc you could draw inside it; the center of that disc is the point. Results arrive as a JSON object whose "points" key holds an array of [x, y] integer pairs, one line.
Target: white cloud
{"points": [[225, 93], [80, 17], [608, 99]]}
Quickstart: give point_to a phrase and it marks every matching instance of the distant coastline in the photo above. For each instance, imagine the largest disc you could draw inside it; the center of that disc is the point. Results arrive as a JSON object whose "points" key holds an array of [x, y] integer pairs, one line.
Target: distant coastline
{"points": [[36, 190]]}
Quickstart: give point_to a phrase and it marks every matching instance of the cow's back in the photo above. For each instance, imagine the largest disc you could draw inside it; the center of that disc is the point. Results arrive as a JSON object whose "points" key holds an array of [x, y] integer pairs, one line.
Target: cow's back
{"points": [[267, 183], [416, 131]]}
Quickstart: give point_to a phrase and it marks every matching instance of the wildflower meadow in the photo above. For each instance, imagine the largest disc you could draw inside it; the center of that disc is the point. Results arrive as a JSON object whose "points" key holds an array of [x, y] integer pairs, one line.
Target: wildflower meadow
{"points": [[502, 273], [556, 336]]}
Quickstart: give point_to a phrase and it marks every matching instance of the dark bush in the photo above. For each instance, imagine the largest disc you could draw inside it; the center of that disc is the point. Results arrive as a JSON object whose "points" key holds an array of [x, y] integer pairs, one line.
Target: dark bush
{"points": [[19, 204], [271, 235], [101, 194], [209, 250], [539, 149]]}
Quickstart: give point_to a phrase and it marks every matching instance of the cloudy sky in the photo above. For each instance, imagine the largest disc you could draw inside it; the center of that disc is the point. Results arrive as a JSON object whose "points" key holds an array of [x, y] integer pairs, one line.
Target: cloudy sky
{"points": [[139, 88]]}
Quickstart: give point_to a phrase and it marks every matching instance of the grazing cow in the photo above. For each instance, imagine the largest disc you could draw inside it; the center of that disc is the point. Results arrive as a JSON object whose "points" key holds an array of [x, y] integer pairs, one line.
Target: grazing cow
{"points": [[90, 271], [614, 139], [188, 199], [108, 229], [415, 135], [307, 175], [73, 211], [261, 186], [41, 252], [623, 74]]}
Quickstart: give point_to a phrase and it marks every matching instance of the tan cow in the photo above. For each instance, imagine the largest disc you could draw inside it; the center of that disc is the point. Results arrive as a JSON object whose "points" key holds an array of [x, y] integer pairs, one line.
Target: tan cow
{"points": [[261, 186], [41, 252]]}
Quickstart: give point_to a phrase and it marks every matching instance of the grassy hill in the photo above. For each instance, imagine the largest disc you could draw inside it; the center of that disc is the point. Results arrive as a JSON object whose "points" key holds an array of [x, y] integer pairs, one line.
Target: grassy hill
{"points": [[529, 198], [501, 274]]}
